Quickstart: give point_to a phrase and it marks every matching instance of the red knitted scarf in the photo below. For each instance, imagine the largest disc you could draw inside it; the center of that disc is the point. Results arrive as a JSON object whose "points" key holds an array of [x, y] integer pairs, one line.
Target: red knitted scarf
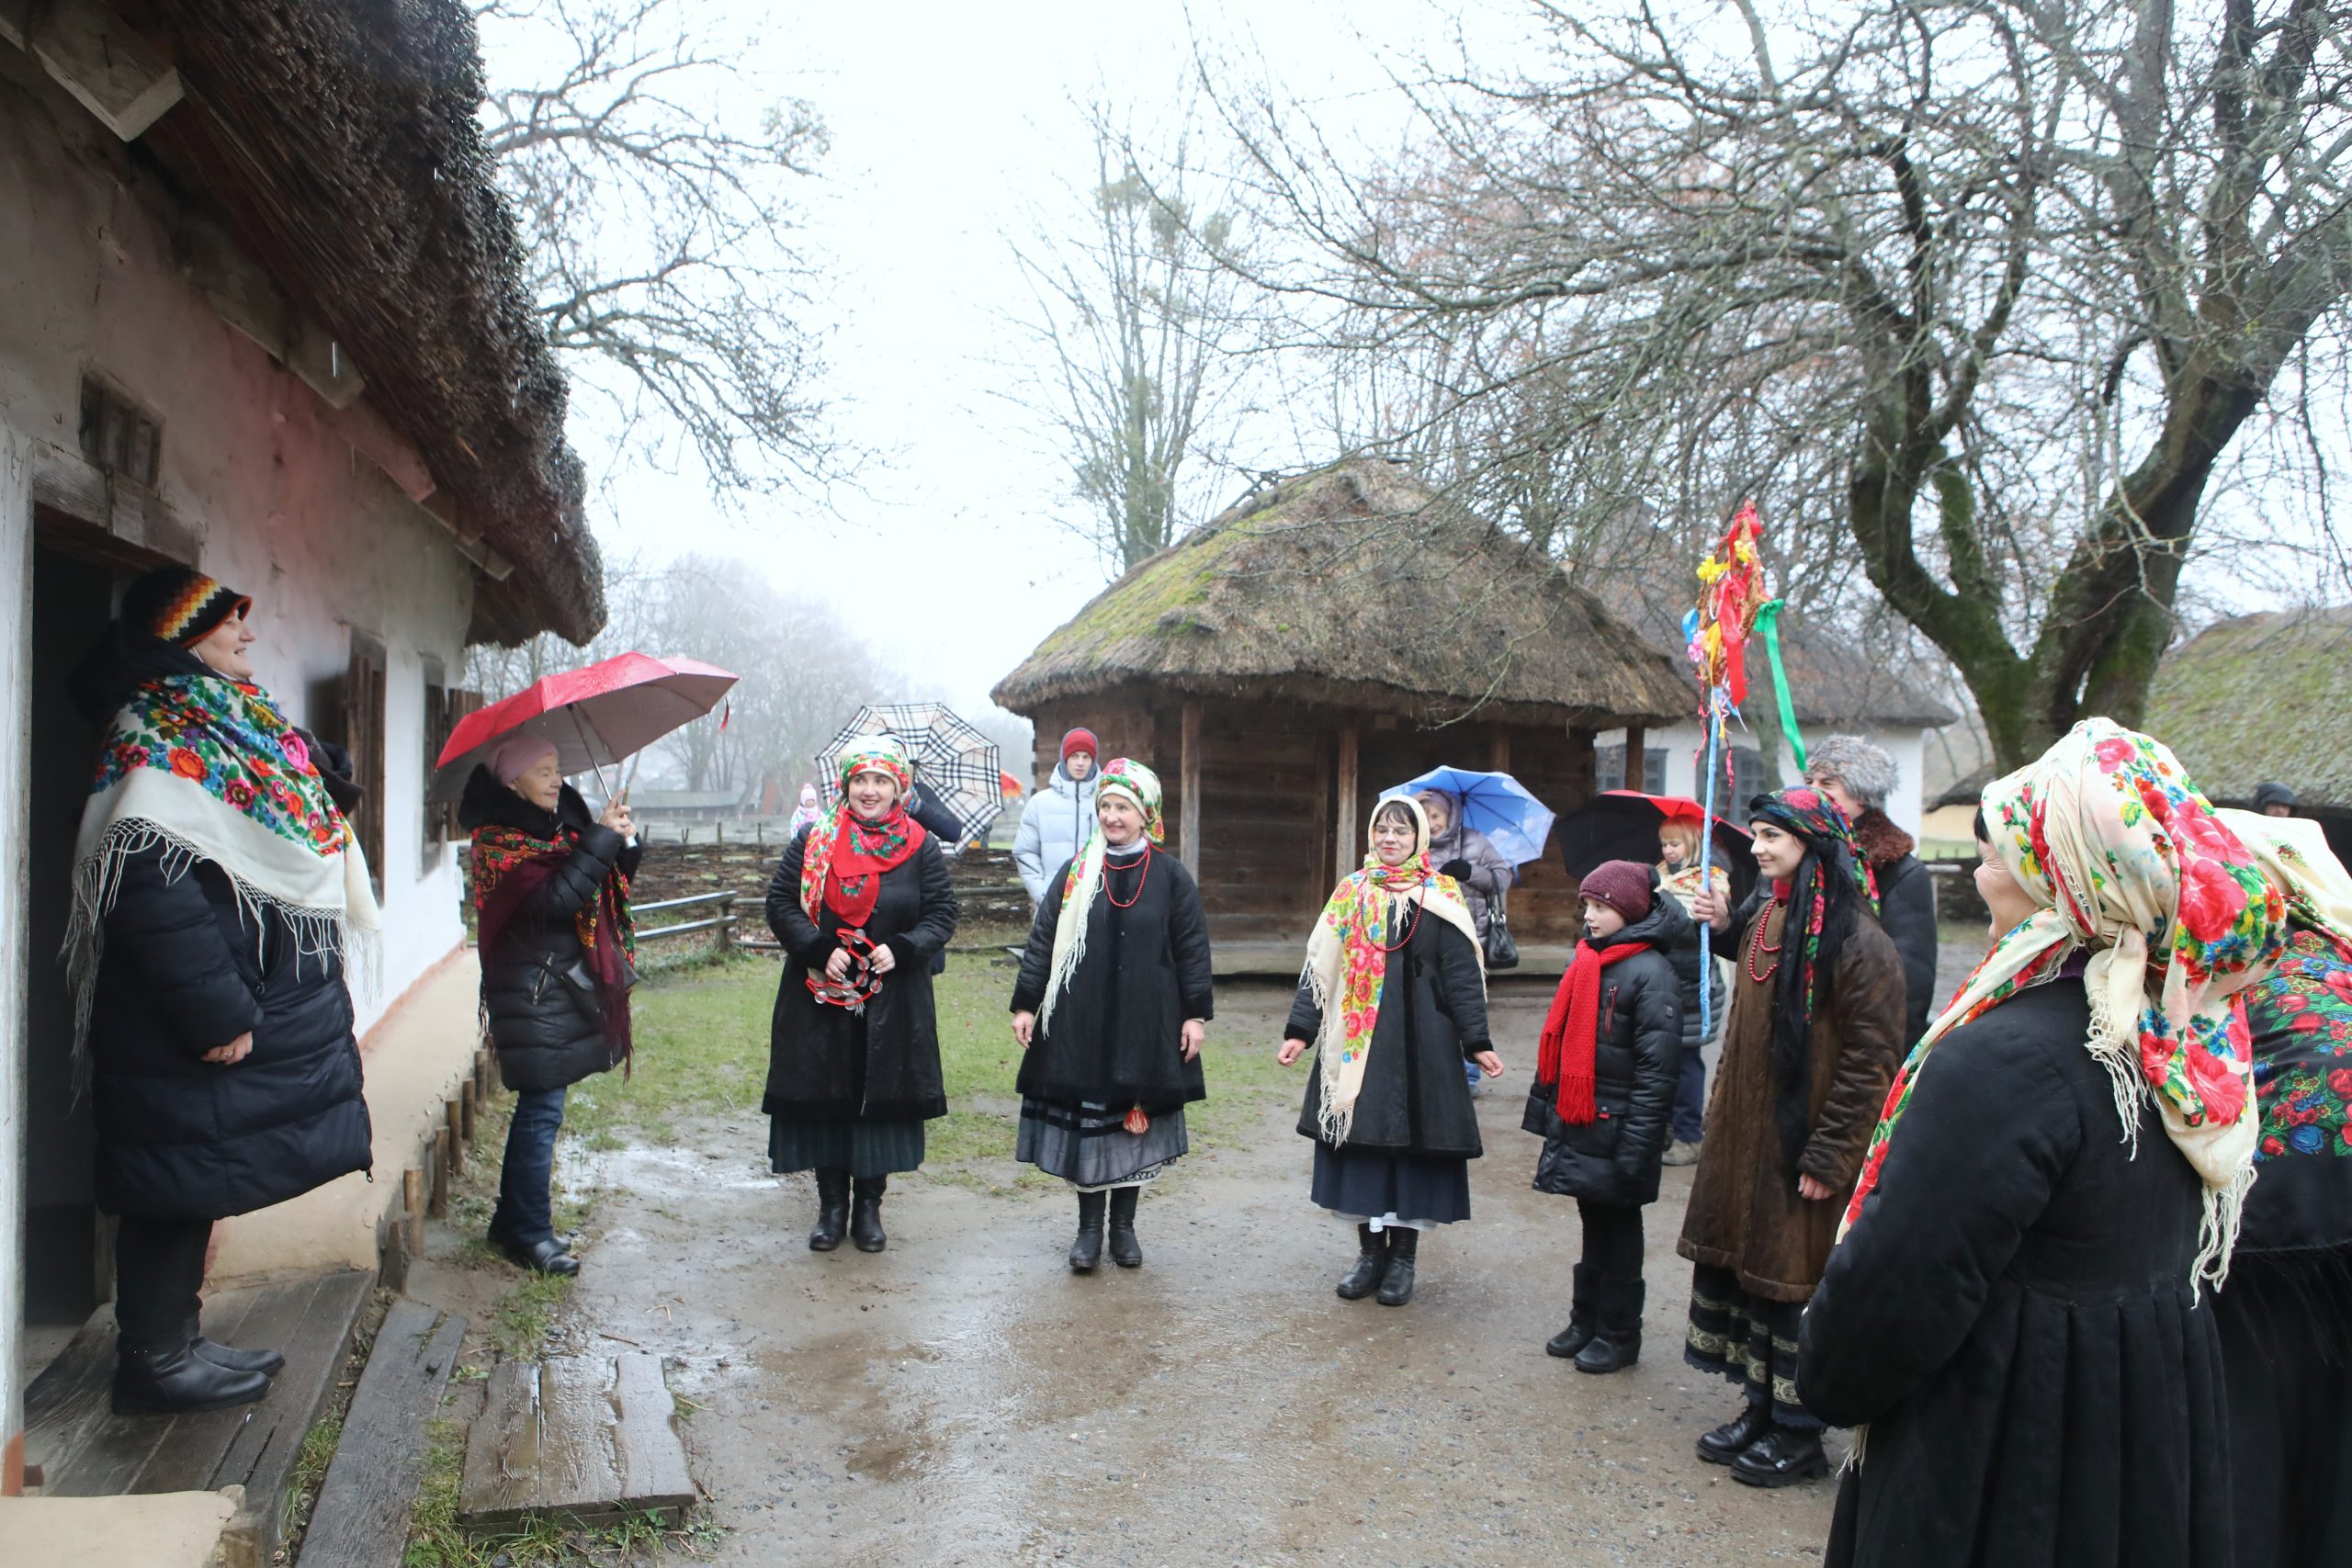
{"points": [[1572, 1029]]}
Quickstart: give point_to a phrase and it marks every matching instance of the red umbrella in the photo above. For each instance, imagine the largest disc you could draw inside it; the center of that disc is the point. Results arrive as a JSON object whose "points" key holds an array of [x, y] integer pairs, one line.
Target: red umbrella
{"points": [[595, 716]]}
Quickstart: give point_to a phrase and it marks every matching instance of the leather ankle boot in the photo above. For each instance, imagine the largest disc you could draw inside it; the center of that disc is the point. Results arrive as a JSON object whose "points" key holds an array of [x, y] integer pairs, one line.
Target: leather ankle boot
{"points": [[1125, 1251], [1397, 1279], [1617, 1342], [1782, 1456], [1736, 1436], [1364, 1278], [832, 1211], [268, 1363], [1584, 1280], [1087, 1250], [865, 1212], [177, 1381]]}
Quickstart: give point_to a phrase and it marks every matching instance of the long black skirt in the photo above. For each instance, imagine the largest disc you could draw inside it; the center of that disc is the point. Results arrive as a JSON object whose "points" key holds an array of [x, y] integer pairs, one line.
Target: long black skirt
{"points": [[1417, 1191], [1749, 1340], [863, 1146]]}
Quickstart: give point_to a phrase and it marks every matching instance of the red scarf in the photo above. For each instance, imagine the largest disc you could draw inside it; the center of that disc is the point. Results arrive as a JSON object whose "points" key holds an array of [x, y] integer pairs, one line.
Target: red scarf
{"points": [[848, 862], [1572, 1029]]}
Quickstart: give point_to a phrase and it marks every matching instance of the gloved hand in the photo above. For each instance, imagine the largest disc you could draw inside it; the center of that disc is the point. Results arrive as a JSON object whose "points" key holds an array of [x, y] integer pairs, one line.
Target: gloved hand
{"points": [[1457, 868]]}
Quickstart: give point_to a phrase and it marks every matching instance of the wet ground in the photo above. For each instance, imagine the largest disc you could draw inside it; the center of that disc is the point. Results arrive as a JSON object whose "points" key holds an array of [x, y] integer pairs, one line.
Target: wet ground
{"points": [[962, 1398]]}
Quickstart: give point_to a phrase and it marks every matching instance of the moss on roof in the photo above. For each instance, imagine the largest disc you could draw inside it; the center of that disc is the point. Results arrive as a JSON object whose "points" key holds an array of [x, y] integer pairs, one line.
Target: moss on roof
{"points": [[2258, 698], [1357, 583]]}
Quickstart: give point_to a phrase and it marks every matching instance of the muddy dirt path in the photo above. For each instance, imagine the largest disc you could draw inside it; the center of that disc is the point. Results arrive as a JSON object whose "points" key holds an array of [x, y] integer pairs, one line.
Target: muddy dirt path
{"points": [[962, 1398]]}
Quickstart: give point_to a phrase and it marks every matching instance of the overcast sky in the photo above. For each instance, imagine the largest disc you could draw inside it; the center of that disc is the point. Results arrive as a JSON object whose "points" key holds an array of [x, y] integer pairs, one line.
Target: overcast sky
{"points": [[948, 121]]}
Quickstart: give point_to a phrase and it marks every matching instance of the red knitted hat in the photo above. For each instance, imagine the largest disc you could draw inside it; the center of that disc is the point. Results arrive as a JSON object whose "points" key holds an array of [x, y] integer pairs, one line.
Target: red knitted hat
{"points": [[1623, 885], [1080, 740]]}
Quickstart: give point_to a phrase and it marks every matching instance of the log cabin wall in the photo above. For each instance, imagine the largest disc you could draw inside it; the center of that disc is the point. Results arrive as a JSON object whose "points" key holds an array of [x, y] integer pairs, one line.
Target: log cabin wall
{"points": [[1270, 808]]}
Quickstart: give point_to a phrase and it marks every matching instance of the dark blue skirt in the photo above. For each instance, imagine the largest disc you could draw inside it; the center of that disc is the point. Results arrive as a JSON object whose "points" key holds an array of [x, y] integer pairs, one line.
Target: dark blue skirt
{"points": [[854, 1144], [1417, 1190]]}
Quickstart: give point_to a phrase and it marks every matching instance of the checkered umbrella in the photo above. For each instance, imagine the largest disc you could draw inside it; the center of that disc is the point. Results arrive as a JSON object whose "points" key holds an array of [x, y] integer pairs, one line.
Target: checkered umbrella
{"points": [[955, 765]]}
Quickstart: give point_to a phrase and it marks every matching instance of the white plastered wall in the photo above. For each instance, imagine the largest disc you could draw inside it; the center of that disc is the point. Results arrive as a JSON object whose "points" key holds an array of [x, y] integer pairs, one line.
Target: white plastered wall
{"points": [[280, 507]]}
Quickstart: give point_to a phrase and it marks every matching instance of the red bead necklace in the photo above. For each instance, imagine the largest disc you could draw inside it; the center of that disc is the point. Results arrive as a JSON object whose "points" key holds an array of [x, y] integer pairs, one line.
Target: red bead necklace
{"points": [[1109, 867], [1756, 948], [1413, 924]]}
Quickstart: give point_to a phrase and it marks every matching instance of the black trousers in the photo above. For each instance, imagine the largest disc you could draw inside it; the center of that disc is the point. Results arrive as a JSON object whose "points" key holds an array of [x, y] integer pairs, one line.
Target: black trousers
{"points": [[1612, 1240], [158, 1270]]}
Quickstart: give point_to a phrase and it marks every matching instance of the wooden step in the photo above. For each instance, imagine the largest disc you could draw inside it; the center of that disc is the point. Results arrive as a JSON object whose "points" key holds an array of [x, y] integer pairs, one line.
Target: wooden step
{"points": [[362, 1513], [86, 1450], [586, 1438]]}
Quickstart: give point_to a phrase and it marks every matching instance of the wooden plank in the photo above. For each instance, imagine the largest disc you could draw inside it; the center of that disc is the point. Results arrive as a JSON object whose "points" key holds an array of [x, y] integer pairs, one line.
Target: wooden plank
{"points": [[652, 1458], [109, 69], [438, 1168], [412, 1209], [584, 1438], [1498, 750], [453, 1109], [1189, 786], [362, 1513], [1351, 847]]}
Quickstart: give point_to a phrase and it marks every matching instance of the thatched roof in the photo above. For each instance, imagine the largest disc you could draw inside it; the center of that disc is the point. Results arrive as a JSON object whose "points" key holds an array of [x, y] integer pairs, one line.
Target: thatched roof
{"points": [[2262, 697], [335, 139], [1356, 585]]}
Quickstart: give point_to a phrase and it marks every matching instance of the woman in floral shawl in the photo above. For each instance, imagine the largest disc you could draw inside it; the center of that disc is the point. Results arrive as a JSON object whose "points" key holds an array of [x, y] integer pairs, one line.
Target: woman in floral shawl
{"points": [[1393, 1000], [1808, 1047], [1110, 1010], [218, 891], [862, 903], [2283, 1309], [2021, 1306]]}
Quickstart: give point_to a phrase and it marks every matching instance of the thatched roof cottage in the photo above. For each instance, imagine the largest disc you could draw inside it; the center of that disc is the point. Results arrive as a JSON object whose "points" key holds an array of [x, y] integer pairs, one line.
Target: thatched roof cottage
{"points": [[1319, 640]]}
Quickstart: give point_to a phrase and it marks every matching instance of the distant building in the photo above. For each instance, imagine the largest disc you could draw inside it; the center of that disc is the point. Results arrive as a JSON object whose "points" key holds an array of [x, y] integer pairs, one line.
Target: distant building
{"points": [[1319, 640], [2265, 697]]}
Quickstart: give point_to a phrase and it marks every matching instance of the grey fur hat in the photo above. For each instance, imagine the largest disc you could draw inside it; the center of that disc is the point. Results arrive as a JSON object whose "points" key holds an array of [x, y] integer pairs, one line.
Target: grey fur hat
{"points": [[1866, 771]]}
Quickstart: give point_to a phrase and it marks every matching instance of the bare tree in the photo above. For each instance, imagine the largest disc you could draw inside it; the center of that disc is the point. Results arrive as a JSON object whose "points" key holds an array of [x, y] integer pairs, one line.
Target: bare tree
{"points": [[653, 180], [1985, 290], [1139, 330]]}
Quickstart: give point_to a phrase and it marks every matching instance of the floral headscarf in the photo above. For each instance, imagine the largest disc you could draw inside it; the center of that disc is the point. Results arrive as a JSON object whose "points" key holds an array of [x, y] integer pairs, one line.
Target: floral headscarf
{"points": [[1831, 884], [1347, 957], [2125, 857], [1130, 780], [845, 855]]}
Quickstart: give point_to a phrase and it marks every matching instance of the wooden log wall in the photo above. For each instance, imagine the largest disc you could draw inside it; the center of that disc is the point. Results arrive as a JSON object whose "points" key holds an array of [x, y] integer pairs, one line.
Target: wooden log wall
{"points": [[1280, 783]]}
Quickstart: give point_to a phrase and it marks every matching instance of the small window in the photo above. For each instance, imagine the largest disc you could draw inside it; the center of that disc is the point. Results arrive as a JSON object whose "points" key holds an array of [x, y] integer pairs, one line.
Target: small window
{"points": [[119, 436], [363, 737]]}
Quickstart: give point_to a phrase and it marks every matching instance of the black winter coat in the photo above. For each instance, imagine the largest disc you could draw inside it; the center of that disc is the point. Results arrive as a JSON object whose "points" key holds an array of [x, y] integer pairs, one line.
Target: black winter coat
{"points": [[185, 968], [1906, 910], [546, 1027], [881, 1062], [1615, 1158], [1114, 1039], [1415, 1099], [2012, 1316]]}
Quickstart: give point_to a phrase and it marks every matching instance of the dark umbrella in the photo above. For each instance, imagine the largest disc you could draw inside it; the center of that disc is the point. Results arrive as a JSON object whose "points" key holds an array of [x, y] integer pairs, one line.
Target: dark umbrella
{"points": [[1623, 824]]}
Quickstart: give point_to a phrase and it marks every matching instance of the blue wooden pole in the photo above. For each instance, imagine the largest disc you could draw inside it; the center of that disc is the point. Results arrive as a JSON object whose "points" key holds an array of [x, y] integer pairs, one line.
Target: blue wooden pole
{"points": [[1707, 866]]}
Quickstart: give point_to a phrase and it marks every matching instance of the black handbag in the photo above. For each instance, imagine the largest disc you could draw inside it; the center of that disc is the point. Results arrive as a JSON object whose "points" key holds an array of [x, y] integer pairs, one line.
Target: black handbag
{"points": [[1502, 949]]}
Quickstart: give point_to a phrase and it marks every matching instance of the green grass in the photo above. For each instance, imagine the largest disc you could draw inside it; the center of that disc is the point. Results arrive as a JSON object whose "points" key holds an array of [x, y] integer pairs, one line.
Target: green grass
{"points": [[702, 1050]]}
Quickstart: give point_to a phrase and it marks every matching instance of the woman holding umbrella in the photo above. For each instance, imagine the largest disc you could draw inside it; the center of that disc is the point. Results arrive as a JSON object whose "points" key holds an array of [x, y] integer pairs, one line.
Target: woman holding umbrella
{"points": [[861, 903], [1393, 1001], [550, 890], [1111, 1006]]}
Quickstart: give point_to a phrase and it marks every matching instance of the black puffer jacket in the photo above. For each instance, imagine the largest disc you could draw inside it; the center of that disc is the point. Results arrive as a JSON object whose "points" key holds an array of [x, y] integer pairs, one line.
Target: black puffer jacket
{"points": [[545, 1021], [1614, 1159], [1415, 1099], [185, 968]]}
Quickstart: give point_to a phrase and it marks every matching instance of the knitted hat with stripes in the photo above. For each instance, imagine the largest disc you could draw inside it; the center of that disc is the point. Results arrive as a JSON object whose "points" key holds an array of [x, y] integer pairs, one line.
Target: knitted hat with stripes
{"points": [[180, 605]]}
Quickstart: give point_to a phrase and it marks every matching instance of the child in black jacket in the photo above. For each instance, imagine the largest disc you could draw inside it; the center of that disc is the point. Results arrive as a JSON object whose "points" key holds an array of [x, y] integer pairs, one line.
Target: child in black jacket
{"points": [[1604, 1083]]}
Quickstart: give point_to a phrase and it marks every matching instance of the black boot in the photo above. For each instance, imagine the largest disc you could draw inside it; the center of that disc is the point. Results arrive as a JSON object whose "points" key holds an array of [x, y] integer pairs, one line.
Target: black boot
{"points": [[1617, 1342], [1087, 1250], [268, 1363], [1125, 1251], [1584, 1283], [832, 1211], [1782, 1456], [1364, 1278], [1736, 1436], [546, 1257], [865, 1212], [177, 1381], [1397, 1280]]}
